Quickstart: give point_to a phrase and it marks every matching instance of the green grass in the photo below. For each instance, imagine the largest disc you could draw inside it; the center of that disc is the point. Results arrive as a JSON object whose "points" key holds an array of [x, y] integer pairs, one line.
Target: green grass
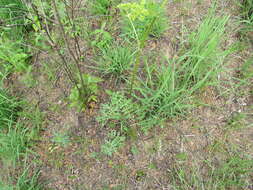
{"points": [[100, 7], [19, 127], [13, 144], [8, 109], [13, 54], [167, 90], [13, 14], [25, 181], [232, 173], [116, 61]]}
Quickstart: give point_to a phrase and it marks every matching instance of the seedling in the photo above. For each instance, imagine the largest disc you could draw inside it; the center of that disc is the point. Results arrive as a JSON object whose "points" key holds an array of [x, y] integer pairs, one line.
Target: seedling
{"points": [[114, 142]]}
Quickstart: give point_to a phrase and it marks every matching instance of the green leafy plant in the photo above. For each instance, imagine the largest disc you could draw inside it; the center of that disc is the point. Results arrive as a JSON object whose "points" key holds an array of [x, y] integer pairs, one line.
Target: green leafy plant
{"points": [[138, 16], [100, 7], [116, 60], [145, 13], [103, 39], [119, 111], [88, 94], [13, 15], [114, 142], [12, 56]]}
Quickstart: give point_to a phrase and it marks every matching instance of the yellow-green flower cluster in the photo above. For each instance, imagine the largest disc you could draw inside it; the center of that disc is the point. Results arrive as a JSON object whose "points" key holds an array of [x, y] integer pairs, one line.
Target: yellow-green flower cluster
{"points": [[135, 10]]}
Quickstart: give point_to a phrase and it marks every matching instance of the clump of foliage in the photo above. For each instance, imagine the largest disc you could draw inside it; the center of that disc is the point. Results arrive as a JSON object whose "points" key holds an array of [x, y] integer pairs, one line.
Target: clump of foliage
{"points": [[13, 18], [120, 110], [116, 61], [103, 39], [143, 15], [167, 90], [13, 26], [234, 172], [9, 107], [80, 97], [19, 127], [100, 7], [114, 142]]}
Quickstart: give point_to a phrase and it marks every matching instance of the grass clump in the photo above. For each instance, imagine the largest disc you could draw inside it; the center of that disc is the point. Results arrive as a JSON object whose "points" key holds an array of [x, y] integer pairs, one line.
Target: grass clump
{"points": [[13, 144], [167, 91], [232, 173], [19, 127], [116, 61], [25, 181], [247, 13], [9, 107]]}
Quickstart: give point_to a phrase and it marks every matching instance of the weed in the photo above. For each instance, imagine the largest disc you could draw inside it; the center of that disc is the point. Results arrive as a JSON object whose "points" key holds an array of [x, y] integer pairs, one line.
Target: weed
{"points": [[100, 7], [88, 94], [119, 111], [167, 91], [13, 15], [116, 60], [12, 56], [13, 144], [102, 38], [139, 16], [141, 12], [114, 142], [9, 107], [232, 173]]}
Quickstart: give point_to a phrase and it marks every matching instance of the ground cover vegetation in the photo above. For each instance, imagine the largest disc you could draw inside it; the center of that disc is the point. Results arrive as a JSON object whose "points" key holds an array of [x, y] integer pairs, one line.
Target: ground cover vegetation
{"points": [[142, 94]]}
